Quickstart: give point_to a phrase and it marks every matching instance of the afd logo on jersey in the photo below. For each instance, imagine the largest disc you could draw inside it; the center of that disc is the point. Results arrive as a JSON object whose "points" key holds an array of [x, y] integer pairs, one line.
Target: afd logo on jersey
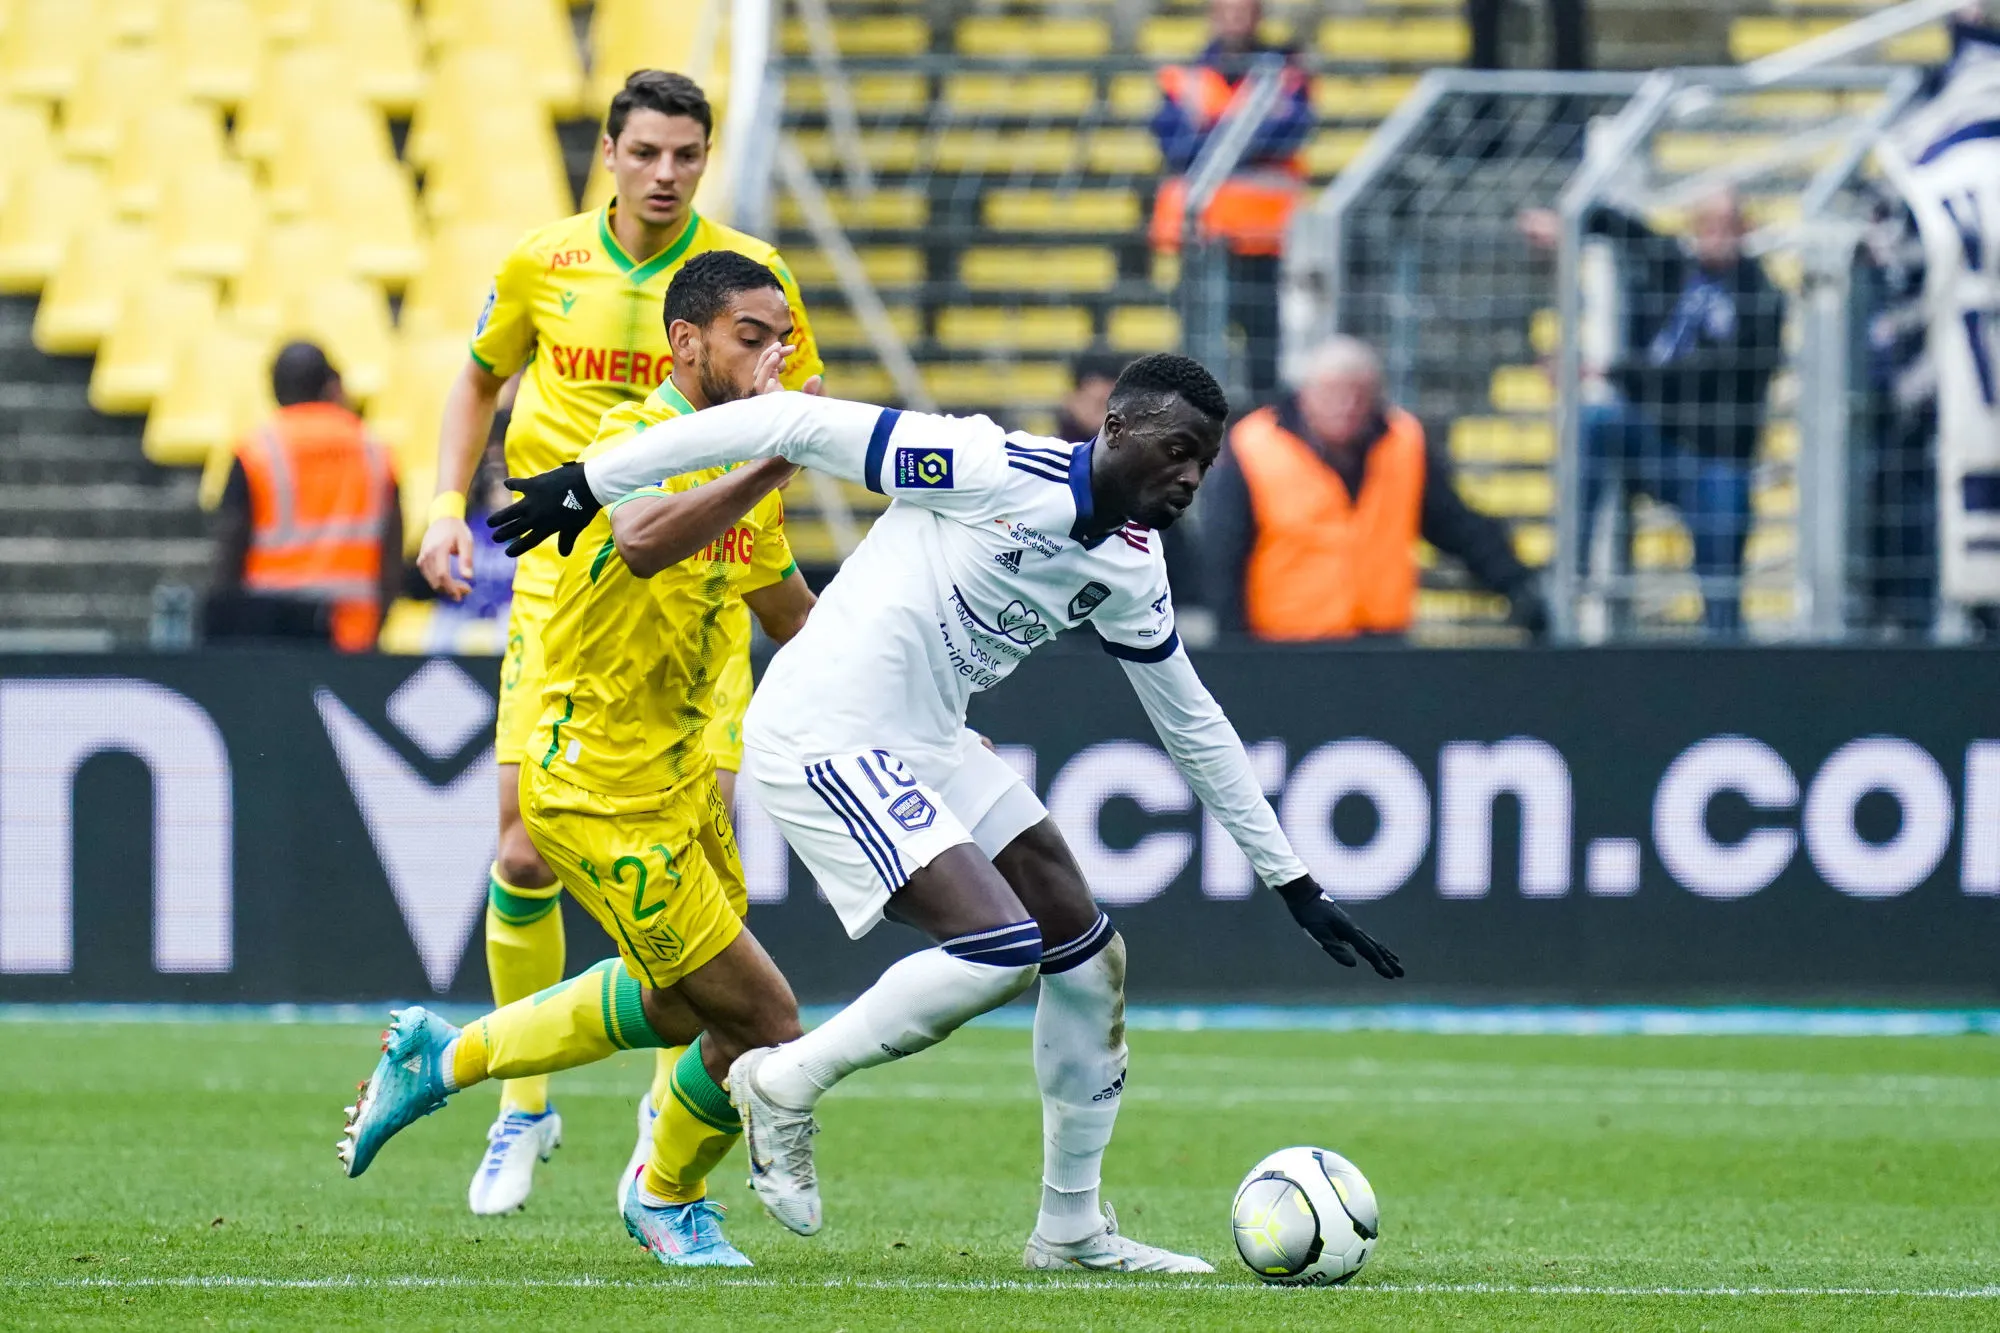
{"points": [[923, 469], [912, 811], [1088, 598]]}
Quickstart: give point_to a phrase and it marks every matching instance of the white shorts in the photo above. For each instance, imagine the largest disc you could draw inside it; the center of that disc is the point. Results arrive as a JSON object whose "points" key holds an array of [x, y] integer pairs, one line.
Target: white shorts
{"points": [[864, 823]]}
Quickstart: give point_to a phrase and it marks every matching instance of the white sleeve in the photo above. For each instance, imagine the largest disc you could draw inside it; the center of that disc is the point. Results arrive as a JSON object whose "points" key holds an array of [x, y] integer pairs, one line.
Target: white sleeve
{"points": [[1209, 754], [951, 464]]}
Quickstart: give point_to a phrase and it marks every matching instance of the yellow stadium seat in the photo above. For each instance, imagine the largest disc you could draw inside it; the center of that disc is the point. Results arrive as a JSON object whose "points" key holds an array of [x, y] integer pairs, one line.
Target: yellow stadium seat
{"points": [[1179, 36], [873, 92], [1329, 151], [130, 20], [219, 388], [1062, 210], [1754, 36], [1545, 331], [468, 89], [293, 85], [887, 150], [47, 203], [135, 362], [516, 193], [1039, 36], [1133, 95], [886, 266], [883, 208], [445, 296], [836, 328], [373, 208], [85, 294], [1040, 95], [1143, 328], [1359, 97], [867, 35], [214, 47], [1017, 328], [1399, 41], [24, 128], [345, 134], [1502, 441], [1518, 493], [961, 384], [1123, 153], [378, 38], [538, 31], [285, 22], [1042, 151], [1522, 389], [862, 382], [209, 218], [286, 258], [48, 44], [1074, 268], [1681, 152], [350, 319], [406, 414], [1534, 544], [115, 80], [158, 143], [644, 34]]}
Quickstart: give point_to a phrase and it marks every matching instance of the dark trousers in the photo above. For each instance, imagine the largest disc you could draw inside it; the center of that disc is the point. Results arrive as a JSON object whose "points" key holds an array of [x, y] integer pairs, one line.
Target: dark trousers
{"points": [[1253, 308], [1566, 19]]}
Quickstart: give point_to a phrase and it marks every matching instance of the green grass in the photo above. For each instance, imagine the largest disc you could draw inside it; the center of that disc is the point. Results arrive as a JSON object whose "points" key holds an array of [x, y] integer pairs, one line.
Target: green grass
{"points": [[165, 1175]]}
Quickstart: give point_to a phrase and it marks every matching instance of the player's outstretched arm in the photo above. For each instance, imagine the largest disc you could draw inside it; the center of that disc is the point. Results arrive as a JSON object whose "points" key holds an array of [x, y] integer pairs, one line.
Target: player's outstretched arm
{"points": [[1208, 752], [656, 530]]}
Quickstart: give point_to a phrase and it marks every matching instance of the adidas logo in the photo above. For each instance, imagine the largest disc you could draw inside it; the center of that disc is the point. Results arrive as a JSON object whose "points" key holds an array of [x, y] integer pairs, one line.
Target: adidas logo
{"points": [[570, 501], [1009, 561], [415, 1064]]}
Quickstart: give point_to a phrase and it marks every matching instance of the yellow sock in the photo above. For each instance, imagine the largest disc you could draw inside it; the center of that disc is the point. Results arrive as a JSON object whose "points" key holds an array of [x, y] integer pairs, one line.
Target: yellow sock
{"points": [[662, 1090], [696, 1129], [524, 954], [571, 1023]]}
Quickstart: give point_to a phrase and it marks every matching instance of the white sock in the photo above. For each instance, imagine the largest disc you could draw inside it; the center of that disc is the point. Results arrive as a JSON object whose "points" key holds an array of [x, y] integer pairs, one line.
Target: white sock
{"points": [[1080, 1065], [917, 1003], [446, 1063]]}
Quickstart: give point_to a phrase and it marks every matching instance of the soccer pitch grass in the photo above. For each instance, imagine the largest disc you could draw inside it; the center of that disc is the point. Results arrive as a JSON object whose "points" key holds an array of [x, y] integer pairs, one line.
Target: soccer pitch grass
{"points": [[177, 1174]]}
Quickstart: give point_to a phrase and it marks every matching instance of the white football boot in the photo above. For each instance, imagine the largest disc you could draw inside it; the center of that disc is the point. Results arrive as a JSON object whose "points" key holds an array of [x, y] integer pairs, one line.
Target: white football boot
{"points": [[642, 1150], [778, 1142], [514, 1144], [1109, 1252]]}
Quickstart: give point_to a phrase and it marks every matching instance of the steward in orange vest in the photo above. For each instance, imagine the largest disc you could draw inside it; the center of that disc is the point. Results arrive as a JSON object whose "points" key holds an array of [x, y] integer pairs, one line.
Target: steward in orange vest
{"points": [[1316, 538], [310, 532]]}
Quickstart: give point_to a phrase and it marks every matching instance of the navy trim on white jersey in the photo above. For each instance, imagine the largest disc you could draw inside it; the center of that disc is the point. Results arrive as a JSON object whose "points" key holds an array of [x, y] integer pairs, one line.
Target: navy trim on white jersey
{"points": [[1079, 489], [1038, 463], [1015, 945], [1067, 957], [827, 783], [878, 444], [1159, 653], [1978, 129]]}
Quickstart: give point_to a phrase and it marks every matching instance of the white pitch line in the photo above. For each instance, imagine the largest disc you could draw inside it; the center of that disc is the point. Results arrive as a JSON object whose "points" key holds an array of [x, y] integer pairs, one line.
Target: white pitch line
{"points": [[223, 1282]]}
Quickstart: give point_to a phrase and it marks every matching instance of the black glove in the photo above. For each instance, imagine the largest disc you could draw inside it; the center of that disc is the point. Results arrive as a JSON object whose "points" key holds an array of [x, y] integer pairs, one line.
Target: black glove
{"points": [[558, 503], [1334, 930]]}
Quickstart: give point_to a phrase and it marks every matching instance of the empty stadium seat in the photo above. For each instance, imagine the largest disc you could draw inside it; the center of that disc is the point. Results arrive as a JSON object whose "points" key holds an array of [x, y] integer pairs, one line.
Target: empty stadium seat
{"points": [[285, 21], [1078, 268], [1329, 151], [468, 89], [1114, 152], [1522, 389], [1040, 36], [378, 39], [861, 381], [1502, 440], [1179, 36], [101, 263], [135, 362], [1519, 493], [836, 328], [219, 388], [24, 128], [130, 20], [344, 132], [460, 261], [886, 266], [885, 150], [516, 193], [1143, 328], [158, 143], [1013, 152], [644, 34], [1062, 210], [214, 48], [114, 81], [1753, 37], [373, 208], [1394, 41], [1359, 97], [961, 384], [882, 208], [285, 258], [866, 35], [292, 85], [406, 414], [873, 92], [209, 218], [1014, 328], [1133, 95], [47, 202], [538, 31], [48, 44], [350, 319], [1038, 95]]}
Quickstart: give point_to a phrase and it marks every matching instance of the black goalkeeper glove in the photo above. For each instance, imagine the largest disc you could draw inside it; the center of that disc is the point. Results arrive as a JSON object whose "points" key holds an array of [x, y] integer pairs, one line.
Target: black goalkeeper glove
{"points": [[558, 504], [1333, 930]]}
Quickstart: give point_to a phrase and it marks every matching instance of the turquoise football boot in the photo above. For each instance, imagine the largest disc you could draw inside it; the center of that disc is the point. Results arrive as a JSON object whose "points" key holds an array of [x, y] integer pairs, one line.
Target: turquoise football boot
{"points": [[407, 1085], [681, 1235]]}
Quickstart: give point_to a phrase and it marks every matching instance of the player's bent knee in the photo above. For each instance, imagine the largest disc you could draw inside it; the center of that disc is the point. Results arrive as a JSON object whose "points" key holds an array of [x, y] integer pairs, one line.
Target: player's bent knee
{"points": [[1003, 961], [521, 865]]}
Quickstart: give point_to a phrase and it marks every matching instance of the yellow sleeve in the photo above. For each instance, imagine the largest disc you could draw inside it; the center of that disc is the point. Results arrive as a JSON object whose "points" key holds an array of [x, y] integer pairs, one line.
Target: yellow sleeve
{"points": [[804, 362], [506, 331], [619, 422], [771, 561]]}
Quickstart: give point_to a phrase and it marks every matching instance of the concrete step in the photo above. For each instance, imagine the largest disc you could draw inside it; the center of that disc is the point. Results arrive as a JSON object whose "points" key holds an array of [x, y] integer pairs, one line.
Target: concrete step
{"points": [[101, 509], [98, 564]]}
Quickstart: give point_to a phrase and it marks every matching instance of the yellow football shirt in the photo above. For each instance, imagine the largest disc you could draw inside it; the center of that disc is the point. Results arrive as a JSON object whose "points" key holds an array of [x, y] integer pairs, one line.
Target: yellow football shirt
{"points": [[630, 663], [589, 324]]}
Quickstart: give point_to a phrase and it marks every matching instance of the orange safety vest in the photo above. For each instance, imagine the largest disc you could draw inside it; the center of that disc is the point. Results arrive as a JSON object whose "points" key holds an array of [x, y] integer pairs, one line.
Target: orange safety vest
{"points": [[1252, 208], [1326, 566], [319, 496]]}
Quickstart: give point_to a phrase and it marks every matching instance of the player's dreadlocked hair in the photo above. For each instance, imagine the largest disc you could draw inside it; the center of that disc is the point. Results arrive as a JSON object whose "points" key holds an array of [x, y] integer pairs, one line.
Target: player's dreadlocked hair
{"points": [[1168, 374], [701, 290], [658, 90]]}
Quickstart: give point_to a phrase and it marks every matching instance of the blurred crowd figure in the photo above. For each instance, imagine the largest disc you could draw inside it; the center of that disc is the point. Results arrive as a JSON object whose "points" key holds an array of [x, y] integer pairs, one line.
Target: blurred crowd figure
{"points": [[309, 532], [1312, 517], [1685, 400], [1251, 210]]}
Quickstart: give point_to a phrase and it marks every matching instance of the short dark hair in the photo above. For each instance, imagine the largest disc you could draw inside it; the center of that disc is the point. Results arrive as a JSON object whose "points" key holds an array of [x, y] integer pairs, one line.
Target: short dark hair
{"points": [[302, 374], [1175, 376], [1095, 365], [701, 290], [662, 91]]}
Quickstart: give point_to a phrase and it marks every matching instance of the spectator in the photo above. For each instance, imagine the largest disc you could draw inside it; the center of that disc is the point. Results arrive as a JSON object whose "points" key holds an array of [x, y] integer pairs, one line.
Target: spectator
{"points": [[1317, 503], [1703, 335], [309, 534], [1251, 210], [1081, 414]]}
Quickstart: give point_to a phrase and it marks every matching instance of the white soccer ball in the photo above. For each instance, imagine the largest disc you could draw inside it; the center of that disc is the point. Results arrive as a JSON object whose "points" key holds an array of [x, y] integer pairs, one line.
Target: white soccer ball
{"points": [[1305, 1217]]}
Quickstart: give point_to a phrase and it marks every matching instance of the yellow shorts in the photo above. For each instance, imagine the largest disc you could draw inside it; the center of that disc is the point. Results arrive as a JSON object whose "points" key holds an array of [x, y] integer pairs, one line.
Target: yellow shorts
{"points": [[728, 700], [659, 872], [521, 673]]}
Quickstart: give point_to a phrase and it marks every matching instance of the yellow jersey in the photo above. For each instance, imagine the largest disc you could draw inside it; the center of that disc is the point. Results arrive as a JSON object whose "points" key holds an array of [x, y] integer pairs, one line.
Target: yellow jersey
{"points": [[589, 324], [630, 663]]}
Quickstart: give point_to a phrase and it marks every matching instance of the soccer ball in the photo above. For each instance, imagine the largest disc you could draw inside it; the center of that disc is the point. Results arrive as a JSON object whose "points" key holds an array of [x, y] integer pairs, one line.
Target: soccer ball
{"points": [[1304, 1217]]}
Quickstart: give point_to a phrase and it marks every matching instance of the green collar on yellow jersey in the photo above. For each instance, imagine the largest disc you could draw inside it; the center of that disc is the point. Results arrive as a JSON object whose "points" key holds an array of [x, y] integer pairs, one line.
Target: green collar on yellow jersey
{"points": [[671, 395], [636, 272]]}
